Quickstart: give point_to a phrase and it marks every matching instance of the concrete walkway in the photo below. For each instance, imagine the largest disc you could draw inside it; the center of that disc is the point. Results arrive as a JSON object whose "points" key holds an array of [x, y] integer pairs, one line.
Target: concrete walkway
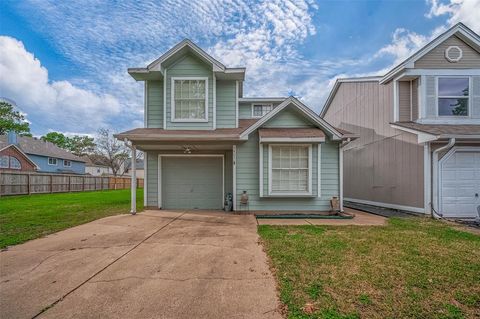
{"points": [[153, 265], [360, 219]]}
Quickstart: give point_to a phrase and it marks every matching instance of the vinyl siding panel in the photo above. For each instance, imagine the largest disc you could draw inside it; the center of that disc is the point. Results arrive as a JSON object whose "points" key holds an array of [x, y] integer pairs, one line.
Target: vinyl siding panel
{"points": [[435, 59], [155, 104], [288, 118], [384, 165], [414, 100], [189, 66], [248, 179], [226, 108], [404, 107]]}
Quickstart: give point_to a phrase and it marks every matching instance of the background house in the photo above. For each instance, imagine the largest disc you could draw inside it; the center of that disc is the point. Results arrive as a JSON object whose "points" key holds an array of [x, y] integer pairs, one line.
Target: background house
{"points": [[419, 128], [47, 157], [139, 168], [95, 166]]}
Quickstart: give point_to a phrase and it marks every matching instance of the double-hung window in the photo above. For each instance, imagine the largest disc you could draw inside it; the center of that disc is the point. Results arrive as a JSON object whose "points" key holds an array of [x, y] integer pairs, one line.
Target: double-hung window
{"points": [[52, 161], [259, 110], [453, 96], [67, 163], [189, 99], [290, 169]]}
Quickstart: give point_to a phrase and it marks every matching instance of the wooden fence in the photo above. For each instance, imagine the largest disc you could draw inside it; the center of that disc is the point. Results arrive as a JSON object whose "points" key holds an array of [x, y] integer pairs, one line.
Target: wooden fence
{"points": [[18, 183]]}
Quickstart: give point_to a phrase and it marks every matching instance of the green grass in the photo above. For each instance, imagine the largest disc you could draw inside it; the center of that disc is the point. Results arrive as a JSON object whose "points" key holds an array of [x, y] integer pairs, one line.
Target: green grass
{"points": [[27, 217], [411, 268]]}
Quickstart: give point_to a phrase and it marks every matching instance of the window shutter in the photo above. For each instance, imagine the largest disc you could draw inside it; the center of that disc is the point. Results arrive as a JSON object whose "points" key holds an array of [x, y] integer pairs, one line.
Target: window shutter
{"points": [[475, 97], [431, 100]]}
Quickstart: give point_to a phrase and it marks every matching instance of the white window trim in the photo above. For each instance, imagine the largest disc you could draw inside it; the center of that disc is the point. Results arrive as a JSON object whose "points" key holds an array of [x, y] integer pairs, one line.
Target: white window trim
{"points": [[290, 194], [172, 100], [67, 165], [437, 97], [263, 104], [56, 161]]}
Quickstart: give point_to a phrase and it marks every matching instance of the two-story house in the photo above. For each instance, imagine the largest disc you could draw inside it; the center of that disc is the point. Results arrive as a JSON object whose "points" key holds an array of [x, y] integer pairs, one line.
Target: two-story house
{"points": [[24, 153], [203, 140], [419, 128]]}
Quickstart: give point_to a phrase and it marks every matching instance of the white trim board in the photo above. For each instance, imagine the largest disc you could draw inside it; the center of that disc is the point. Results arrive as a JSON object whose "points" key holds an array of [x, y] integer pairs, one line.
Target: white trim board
{"points": [[292, 139], [188, 155], [386, 205]]}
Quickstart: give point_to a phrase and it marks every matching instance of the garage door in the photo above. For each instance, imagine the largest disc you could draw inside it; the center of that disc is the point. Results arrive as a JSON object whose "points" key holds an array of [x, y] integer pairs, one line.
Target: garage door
{"points": [[460, 184], [192, 182]]}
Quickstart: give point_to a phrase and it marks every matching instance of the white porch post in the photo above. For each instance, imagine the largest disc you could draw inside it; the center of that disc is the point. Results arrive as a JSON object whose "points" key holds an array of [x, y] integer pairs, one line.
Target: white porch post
{"points": [[133, 187], [234, 177], [340, 160]]}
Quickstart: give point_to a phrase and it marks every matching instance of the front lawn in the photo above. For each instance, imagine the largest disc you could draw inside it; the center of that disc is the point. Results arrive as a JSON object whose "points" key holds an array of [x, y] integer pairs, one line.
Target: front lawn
{"points": [[411, 268], [27, 217]]}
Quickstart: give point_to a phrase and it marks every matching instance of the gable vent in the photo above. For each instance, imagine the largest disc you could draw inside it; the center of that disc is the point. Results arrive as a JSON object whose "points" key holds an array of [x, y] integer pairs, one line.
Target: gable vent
{"points": [[453, 53]]}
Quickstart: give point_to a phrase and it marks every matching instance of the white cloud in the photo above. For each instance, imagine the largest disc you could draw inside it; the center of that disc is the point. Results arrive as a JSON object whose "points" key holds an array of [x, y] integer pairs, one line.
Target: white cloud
{"points": [[53, 103], [465, 11]]}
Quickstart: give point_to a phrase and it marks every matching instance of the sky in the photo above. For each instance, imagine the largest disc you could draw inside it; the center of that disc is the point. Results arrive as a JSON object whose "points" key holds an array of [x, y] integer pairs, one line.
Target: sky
{"points": [[64, 63]]}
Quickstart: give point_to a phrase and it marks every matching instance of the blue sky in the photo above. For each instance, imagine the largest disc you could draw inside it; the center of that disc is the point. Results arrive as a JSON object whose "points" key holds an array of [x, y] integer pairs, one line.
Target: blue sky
{"points": [[64, 63]]}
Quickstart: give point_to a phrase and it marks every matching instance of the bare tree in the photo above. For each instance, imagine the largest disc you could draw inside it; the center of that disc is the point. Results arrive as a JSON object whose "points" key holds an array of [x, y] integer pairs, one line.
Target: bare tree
{"points": [[114, 152]]}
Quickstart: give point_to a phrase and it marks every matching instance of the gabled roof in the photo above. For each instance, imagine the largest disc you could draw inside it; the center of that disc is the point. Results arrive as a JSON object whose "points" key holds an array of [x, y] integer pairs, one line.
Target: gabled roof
{"points": [[34, 146], [461, 30], [25, 156], [307, 112], [186, 45]]}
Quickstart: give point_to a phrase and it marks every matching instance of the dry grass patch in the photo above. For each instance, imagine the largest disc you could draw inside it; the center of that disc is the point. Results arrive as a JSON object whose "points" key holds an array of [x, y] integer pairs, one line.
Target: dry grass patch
{"points": [[411, 268]]}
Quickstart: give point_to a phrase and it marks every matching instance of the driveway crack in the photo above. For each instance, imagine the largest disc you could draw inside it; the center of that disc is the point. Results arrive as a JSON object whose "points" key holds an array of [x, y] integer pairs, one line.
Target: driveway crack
{"points": [[104, 268]]}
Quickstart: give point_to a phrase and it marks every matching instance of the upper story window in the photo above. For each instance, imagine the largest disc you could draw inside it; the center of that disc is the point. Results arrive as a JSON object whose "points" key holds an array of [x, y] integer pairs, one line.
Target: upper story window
{"points": [[67, 163], [189, 99], [52, 161], [259, 110], [453, 96], [9, 162]]}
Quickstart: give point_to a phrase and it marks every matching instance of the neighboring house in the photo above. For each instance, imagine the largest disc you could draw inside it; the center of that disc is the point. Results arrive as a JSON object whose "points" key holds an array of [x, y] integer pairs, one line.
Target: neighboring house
{"points": [[202, 140], [139, 168], [95, 166], [419, 128], [47, 157], [12, 158]]}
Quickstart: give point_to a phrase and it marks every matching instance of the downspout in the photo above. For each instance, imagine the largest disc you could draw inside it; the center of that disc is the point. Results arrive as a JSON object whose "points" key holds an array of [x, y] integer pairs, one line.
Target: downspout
{"points": [[133, 178], [340, 160], [449, 145]]}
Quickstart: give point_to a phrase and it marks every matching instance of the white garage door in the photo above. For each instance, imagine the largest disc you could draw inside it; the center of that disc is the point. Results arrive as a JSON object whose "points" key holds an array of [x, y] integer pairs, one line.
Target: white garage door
{"points": [[192, 182], [460, 184]]}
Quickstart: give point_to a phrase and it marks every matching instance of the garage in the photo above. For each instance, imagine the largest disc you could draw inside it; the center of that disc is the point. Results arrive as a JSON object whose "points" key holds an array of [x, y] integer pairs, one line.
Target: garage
{"points": [[460, 183], [192, 182]]}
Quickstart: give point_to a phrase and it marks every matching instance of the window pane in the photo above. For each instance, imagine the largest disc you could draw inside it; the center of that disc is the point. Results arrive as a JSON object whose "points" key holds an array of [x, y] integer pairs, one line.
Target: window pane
{"points": [[290, 168], [453, 107], [190, 99], [257, 110], [15, 163], [453, 87], [4, 161]]}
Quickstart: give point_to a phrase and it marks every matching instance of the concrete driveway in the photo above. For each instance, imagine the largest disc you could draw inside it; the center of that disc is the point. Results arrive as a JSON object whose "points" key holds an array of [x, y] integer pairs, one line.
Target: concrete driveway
{"points": [[157, 264]]}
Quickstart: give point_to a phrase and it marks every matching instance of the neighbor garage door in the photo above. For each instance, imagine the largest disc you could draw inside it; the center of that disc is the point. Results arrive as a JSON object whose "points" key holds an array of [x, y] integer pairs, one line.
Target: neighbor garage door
{"points": [[192, 182], [460, 184]]}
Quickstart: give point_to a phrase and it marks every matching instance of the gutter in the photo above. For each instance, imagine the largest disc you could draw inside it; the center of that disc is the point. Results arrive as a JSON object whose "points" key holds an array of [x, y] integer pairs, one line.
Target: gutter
{"points": [[447, 147]]}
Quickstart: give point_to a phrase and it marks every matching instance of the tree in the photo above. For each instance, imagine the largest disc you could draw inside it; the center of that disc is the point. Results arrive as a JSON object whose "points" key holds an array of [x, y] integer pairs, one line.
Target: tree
{"points": [[11, 120], [78, 145], [114, 152]]}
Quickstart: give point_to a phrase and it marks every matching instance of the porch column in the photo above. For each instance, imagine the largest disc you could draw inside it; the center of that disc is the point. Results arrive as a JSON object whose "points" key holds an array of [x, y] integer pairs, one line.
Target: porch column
{"points": [[133, 187], [340, 163]]}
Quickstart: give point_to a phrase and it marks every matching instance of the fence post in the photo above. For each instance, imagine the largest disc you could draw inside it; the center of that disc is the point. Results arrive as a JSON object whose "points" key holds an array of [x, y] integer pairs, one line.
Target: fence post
{"points": [[28, 185], [69, 183], [51, 183]]}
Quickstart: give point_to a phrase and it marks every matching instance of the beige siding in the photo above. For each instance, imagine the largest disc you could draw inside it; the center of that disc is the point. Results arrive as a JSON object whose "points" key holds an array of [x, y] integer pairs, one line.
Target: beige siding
{"points": [[384, 165], [436, 57], [414, 116], [404, 107]]}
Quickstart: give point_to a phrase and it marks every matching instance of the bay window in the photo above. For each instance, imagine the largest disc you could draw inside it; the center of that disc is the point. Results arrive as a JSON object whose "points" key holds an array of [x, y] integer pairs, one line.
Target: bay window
{"points": [[189, 99], [453, 96], [290, 169]]}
